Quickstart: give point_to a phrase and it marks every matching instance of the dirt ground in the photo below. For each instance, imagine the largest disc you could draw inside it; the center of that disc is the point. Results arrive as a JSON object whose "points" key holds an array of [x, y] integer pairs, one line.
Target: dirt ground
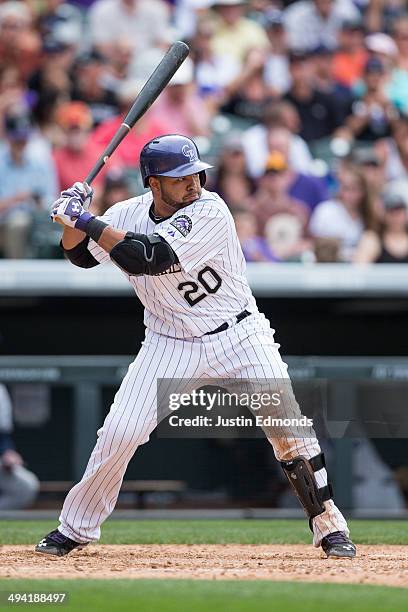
{"points": [[386, 565]]}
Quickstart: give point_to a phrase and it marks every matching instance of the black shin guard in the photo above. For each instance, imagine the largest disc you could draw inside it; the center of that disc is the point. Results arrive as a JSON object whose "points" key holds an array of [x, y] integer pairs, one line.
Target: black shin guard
{"points": [[300, 473]]}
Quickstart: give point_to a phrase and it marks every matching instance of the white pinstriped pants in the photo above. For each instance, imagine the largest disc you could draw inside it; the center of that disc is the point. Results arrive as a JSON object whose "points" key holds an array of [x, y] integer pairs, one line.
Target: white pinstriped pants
{"points": [[246, 350]]}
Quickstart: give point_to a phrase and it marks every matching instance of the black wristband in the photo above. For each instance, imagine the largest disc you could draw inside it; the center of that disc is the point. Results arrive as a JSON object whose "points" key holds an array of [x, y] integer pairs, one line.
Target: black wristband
{"points": [[94, 228]]}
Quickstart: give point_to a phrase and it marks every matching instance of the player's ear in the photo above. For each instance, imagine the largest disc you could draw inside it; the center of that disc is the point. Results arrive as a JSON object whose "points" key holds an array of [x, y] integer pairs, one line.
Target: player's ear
{"points": [[154, 184]]}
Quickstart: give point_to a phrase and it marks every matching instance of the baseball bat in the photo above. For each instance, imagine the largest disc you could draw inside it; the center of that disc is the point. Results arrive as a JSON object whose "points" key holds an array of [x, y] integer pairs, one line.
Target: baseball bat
{"points": [[153, 87]]}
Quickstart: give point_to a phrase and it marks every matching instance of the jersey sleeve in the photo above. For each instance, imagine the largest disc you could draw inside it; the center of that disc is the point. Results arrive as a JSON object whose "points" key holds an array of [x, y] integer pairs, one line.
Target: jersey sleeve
{"points": [[197, 234], [111, 217]]}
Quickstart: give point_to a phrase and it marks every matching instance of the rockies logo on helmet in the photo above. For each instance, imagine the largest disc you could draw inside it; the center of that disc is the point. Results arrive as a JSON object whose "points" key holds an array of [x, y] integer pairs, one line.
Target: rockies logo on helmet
{"points": [[171, 155], [190, 153]]}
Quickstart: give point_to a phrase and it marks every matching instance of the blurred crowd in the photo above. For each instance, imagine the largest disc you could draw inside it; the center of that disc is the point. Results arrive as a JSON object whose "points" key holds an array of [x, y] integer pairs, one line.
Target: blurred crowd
{"points": [[302, 108], [18, 485]]}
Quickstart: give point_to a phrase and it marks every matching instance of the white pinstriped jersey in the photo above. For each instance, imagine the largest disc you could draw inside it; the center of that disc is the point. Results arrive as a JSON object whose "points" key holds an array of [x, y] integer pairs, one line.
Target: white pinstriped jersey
{"points": [[208, 287]]}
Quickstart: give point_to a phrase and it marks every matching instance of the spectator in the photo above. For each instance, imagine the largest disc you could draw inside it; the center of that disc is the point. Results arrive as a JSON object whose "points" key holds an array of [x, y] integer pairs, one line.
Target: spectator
{"points": [[60, 20], [322, 58], [346, 216], [51, 85], [285, 237], [16, 100], [26, 184], [370, 164], [187, 15], [276, 72], [213, 71], [383, 47], [310, 190], [18, 486], [20, 44], [147, 128], [396, 150], [78, 153], [398, 84], [282, 120], [121, 59], [389, 243], [351, 56], [254, 247], [14, 96], [232, 181], [312, 22], [235, 35], [180, 106], [372, 115], [143, 22], [271, 197], [380, 15], [94, 86], [115, 189], [319, 112], [248, 95]]}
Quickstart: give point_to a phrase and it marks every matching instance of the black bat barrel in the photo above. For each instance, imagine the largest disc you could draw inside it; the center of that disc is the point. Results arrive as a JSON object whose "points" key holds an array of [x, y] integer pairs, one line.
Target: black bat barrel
{"points": [[153, 87]]}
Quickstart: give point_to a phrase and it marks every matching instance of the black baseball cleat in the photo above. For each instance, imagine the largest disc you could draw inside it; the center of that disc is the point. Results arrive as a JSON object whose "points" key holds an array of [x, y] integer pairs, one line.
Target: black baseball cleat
{"points": [[337, 545], [55, 543]]}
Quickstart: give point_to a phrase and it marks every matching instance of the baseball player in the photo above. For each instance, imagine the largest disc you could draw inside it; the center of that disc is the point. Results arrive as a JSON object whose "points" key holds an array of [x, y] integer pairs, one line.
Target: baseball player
{"points": [[177, 246]]}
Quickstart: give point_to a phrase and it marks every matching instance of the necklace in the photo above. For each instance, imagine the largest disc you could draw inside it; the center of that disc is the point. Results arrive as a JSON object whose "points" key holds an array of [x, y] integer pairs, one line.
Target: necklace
{"points": [[154, 217]]}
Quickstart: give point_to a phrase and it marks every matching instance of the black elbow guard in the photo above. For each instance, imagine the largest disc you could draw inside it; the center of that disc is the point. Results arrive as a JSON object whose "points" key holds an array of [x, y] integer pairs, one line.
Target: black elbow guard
{"points": [[140, 254], [80, 256]]}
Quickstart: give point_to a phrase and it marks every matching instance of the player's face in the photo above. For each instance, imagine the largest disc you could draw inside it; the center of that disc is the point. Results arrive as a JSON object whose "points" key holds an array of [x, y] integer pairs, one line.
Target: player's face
{"points": [[171, 194]]}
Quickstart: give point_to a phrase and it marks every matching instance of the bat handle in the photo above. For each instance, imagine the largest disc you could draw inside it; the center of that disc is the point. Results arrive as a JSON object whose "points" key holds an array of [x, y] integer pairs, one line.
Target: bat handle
{"points": [[94, 172], [96, 169], [85, 183]]}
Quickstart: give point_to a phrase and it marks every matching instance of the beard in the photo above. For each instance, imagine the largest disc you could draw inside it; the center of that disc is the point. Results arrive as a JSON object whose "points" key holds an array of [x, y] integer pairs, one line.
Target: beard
{"points": [[175, 204]]}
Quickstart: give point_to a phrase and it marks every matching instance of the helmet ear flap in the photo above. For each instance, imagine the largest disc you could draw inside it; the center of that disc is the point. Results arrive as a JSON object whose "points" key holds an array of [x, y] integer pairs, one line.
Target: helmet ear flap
{"points": [[203, 178]]}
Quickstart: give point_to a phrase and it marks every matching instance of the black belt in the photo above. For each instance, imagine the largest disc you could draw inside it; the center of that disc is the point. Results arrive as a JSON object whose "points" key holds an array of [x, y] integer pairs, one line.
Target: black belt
{"points": [[240, 317]]}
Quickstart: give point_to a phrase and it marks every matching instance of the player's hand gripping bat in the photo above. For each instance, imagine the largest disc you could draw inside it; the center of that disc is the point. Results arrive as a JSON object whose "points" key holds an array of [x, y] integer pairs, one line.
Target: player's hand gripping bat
{"points": [[158, 80]]}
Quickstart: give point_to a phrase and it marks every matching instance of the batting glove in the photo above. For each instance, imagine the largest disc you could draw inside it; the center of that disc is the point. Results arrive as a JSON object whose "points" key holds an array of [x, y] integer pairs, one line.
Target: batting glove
{"points": [[70, 208], [82, 191]]}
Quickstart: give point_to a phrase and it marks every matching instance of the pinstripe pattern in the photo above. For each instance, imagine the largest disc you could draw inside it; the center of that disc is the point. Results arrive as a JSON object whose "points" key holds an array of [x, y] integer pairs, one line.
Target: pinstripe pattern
{"points": [[211, 241], [245, 351], [129, 423], [250, 346], [176, 347]]}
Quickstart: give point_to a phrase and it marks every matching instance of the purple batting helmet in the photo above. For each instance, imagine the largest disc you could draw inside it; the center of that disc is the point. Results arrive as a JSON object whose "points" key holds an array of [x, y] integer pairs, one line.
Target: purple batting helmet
{"points": [[171, 155]]}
